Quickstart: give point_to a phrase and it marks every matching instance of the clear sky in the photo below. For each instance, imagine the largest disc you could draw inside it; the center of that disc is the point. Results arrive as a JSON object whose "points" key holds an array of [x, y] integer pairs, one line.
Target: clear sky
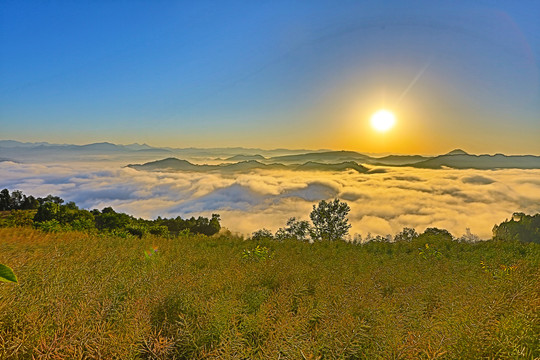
{"points": [[294, 74]]}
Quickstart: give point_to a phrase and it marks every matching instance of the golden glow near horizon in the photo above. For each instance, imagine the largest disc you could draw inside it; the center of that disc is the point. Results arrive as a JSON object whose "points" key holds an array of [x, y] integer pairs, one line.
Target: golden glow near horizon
{"points": [[383, 120]]}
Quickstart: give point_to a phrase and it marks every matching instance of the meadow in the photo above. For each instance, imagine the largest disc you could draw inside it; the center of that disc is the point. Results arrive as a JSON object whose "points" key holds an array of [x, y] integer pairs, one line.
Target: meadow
{"points": [[99, 296]]}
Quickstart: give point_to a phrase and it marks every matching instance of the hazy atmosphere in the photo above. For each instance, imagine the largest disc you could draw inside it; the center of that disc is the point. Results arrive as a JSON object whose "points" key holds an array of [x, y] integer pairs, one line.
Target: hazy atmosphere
{"points": [[273, 74], [383, 200], [418, 78]]}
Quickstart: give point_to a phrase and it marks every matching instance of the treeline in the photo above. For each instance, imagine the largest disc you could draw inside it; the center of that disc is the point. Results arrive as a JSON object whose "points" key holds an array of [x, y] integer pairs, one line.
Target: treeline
{"points": [[329, 222], [51, 214], [19, 201]]}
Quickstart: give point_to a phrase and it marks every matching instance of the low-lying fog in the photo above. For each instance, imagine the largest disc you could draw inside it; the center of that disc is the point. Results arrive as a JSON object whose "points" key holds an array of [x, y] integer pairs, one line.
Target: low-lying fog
{"points": [[381, 202]]}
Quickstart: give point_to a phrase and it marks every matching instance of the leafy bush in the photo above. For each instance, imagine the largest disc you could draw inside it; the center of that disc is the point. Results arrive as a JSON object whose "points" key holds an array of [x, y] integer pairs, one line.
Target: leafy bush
{"points": [[49, 226], [137, 230], [257, 254], [18, 218], [159, 230]]}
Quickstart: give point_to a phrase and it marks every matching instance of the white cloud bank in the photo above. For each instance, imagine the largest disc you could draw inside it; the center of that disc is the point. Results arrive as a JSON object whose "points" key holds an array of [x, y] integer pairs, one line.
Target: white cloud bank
{"points": [[381, 203]]}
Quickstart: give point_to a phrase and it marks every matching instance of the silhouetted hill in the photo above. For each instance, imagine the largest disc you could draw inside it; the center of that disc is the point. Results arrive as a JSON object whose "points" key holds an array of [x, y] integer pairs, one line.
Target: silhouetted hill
{"points": [[246, 158], [346, 165], [174, 164], [171, 164], [321, 157], [398, 159], [466, 161], [457, 152], [248, 166]]}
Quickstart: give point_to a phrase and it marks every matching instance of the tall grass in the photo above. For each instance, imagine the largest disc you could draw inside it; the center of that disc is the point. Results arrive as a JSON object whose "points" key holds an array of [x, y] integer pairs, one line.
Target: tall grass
{"points": [[91, 296]]}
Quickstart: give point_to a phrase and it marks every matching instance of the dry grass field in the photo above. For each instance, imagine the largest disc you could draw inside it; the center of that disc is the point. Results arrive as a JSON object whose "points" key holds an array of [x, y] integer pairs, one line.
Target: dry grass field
{"points": [[96, 296]]}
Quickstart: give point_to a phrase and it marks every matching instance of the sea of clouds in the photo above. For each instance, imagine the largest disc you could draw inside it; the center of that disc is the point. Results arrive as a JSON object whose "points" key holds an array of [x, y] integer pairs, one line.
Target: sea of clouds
{"points": [[382, 202]]}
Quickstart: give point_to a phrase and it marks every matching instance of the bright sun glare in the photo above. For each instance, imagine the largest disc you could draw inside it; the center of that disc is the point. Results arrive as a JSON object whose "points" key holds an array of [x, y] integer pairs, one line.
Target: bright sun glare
{"points": [[383, 120]]}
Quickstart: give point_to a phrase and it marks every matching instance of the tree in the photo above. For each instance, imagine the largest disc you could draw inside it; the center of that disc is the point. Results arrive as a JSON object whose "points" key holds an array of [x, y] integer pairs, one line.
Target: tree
{"points": [[330, 220], [295, 229], [262, 234], [5, 200], [47, 212], [520, 227], [407, 234], [434, 233]]}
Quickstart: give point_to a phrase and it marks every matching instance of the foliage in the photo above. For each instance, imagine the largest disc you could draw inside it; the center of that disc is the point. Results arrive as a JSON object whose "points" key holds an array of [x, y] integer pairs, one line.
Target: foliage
{"points": [[53, 215], [151, 253], [521, 227], [136, 230], [49, 225], [428, 252], [158, 230], [7, 274], [498, 272], [330, 220], [19, 201], [18, 218], [16, 201], [436, 233], [258, 253], [407, 234], [262, 234], [96, 295], [295, 229]]}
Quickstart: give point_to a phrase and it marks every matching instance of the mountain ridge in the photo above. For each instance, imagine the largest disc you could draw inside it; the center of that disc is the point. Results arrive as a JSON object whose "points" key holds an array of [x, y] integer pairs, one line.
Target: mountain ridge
{"points": [[174, 164]]}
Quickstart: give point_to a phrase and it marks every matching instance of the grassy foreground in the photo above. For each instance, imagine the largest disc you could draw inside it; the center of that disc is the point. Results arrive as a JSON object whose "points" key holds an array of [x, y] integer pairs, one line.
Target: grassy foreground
{"points": [[96, 296]]}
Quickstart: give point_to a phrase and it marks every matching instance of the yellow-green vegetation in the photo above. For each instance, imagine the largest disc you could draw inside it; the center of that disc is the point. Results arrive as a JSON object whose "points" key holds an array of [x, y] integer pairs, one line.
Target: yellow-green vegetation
{"points": [[86, 295]]}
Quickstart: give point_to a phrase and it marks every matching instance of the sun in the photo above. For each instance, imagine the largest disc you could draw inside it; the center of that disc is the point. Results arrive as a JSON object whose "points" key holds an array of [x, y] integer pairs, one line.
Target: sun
{"points": [[383, 120]]}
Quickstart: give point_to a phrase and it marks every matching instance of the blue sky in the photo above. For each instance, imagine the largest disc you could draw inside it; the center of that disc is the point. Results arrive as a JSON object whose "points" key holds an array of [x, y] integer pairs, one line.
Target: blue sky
{"points": [[273, 74]]}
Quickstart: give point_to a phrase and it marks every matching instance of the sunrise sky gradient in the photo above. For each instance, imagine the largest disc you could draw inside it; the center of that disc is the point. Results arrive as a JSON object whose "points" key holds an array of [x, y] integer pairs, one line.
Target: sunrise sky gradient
{"points": [[273, 74]]}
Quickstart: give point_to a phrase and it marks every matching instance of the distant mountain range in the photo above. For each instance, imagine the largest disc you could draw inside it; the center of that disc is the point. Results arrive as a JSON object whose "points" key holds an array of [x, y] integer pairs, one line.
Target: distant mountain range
{"points": [[105, 151], [243, 159], [485, 162], [174, 164]]}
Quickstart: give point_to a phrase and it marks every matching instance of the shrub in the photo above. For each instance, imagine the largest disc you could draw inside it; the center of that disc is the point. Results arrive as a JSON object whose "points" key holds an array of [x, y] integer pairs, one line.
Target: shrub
{"points": [[18, 218], [257, 254], [49, 226]]}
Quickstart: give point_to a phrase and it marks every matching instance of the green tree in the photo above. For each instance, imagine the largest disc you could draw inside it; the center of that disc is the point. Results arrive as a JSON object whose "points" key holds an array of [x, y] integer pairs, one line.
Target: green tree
{"points": [[407, 234], [47, 211], [330, 220], [110, 220], [295, 229], [520, 227], [262, 234], [434, 233], [5, 200]]}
